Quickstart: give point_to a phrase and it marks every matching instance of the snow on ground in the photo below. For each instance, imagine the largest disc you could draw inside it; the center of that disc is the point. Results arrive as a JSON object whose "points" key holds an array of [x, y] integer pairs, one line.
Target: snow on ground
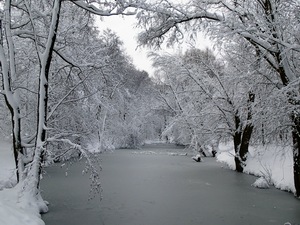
{"points": [[148, 142], [7, 178], [15, 209], [261, 183], [144, 152], [273, 163], [160, 153]]}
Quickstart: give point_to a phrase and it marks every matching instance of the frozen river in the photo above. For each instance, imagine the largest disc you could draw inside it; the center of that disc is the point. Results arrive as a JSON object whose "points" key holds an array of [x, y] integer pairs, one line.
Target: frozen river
{"points": [[153, 186]]}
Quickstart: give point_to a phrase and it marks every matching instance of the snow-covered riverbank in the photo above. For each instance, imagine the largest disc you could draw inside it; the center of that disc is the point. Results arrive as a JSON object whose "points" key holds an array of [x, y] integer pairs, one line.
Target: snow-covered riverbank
{"points": [[15, 207], [275, 163]]}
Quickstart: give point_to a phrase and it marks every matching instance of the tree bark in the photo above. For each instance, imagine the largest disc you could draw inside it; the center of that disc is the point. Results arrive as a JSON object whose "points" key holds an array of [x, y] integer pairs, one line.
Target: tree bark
{"points": [[16, 134], [45, 63], [8, 71], [296, 151], [242, 138], [237, 138], [244, 147]]}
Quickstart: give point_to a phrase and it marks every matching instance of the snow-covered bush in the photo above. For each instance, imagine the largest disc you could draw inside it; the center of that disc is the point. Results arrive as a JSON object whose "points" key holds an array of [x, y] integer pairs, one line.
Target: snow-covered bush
{"points": [[261, 183]]}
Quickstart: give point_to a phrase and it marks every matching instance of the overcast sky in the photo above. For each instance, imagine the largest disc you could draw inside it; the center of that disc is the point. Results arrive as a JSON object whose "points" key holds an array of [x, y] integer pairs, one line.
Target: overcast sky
{"points": [[124, 27]]}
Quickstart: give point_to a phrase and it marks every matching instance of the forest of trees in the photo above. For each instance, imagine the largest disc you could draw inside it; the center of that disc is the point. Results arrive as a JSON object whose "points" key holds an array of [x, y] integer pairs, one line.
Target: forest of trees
{"points": [[251, 92], [68, 88]]}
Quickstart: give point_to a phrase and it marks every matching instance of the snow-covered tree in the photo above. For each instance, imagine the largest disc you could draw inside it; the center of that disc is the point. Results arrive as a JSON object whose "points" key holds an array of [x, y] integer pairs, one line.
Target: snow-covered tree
{"points": [[208, 102], [44, 69], [270, 26]]}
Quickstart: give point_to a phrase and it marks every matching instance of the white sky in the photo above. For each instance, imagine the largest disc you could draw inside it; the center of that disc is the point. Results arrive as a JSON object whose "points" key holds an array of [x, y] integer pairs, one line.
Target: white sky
{"points": [[124, 27]]}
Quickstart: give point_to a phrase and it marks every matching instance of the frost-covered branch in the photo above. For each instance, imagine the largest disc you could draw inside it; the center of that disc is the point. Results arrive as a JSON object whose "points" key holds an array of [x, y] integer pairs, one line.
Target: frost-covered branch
{"points": [[53, 109], [81, 98], [164, 18], [91, 164], [108, 8]]}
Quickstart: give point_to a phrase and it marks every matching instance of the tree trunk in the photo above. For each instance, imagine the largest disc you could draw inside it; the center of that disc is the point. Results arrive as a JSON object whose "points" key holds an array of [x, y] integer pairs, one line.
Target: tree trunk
{"points": [[237, 138], [244, 147], [296, 151], [242, 138], [45, 63], [16, 134], [101, 131], [8, 72]]}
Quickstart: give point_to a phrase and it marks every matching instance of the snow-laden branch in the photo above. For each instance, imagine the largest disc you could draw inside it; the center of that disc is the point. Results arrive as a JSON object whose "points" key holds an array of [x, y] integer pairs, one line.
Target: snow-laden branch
{"points": [[53, 109], [213, 100], [94, 171], [45, 62], [117, 7], [8, 67], [7, 80], [26, 89], [75, 64], [164, 100], [81, 98], [164, 19], [170, 21], [46, 55], [9, 39], [35, 39]]}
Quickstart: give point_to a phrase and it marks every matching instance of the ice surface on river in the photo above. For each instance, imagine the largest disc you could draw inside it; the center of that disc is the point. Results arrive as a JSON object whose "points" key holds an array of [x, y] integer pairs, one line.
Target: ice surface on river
{"points": [[156, 189]]}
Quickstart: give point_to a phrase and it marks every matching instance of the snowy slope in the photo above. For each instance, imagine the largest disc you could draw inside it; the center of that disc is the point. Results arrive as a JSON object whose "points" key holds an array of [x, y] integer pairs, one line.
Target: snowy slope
{"points": [[7, 165], [15, 207], [272, 162]]}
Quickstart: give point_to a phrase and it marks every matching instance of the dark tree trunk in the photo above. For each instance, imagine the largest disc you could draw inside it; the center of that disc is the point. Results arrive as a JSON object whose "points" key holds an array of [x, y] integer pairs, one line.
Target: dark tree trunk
{"points": [[237, 143], [43, 85], [244, 147], [201, 150], [295, 118], [296, 151], [247, 132], [242, 138]]}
